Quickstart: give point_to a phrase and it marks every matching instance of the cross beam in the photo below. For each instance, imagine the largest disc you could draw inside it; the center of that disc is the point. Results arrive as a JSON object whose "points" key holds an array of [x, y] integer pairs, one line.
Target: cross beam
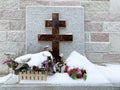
{"points": [[55, 37]]}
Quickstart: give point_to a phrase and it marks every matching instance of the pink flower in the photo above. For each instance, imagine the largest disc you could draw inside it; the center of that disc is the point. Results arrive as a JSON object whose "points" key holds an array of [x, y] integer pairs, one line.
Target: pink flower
{"points": [[46, 65], [47, 48], [6, 60]]}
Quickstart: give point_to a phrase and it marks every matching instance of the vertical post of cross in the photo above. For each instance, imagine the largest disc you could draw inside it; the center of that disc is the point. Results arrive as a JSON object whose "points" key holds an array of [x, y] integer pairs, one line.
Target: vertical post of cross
{"points": [[55, 37]]}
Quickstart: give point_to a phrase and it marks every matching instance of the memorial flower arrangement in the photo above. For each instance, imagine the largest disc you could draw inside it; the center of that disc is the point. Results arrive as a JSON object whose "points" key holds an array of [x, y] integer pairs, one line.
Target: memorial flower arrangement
{"points": [[22, 64], [48, 64], [18, 67], [76, 73]]}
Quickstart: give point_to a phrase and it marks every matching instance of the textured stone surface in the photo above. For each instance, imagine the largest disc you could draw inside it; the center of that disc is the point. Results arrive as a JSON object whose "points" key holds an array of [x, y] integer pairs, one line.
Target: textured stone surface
{"points": [[87, 37], [8, 4], [17, 47], [102, 16], [24, 3], [111, 58], [65, 3], [2, 36], [17, 25], [99, 37], [16, 36], [93, 26], [95, 57], [36, 17], [3, 47], [111, 26], [96, 5], [4, 25], [114, 5], [115, 42], [97, 47], [12, 14], [42, 86]]}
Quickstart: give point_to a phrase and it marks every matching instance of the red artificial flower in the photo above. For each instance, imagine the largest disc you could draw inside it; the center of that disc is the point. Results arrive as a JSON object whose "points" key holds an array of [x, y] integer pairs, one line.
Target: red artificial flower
{"points": [[66, 68]]}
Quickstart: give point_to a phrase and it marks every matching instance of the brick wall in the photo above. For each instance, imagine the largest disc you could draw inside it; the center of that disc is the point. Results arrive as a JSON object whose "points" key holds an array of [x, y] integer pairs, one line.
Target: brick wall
{"points": [[102, 27]]}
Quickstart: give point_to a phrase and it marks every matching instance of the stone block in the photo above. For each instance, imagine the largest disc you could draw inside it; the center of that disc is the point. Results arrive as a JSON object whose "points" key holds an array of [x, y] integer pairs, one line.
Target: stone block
{"points": [[13, 47], [97, 47], [74, 17], [110, 58], [95, 16], [17, 25], [111, 26], [96, 5], [115, 42], [24, 3], [100, 37], [95, 57], [4, 25], [8, 4], [102, 16], [16, 36], [12, 14], [4, 47], [65, 3], [93, 26], [2, 36], [16, 46]]}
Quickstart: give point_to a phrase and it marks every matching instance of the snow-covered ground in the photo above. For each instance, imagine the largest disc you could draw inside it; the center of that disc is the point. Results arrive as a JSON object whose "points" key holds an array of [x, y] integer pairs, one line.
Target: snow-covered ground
{"points": [[95, 74]]}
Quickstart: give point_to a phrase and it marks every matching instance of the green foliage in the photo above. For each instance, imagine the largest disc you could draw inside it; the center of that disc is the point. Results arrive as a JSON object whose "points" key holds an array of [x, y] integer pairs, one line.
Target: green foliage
{"points": [[74, 75], [84, 76]]}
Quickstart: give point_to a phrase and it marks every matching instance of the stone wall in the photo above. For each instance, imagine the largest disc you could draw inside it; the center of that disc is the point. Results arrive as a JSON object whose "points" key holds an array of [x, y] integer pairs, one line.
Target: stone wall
{"points": [[102, 27]]}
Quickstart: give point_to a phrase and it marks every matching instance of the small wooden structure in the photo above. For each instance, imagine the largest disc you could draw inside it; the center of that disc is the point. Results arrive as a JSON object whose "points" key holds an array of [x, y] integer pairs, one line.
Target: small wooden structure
{"points": [[33, 75]]}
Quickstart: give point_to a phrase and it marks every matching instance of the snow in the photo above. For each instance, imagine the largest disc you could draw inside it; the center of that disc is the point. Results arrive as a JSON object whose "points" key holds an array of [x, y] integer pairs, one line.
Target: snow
{"points": [[95, 74], [9, 79], [5, 78], [35, 59], [111, 72], [12, 80], [23, 59]]}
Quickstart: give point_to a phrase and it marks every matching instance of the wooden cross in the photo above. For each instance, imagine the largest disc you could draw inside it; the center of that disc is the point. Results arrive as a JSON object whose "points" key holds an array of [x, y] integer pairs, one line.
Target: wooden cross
{"points": [[55, 37]]}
